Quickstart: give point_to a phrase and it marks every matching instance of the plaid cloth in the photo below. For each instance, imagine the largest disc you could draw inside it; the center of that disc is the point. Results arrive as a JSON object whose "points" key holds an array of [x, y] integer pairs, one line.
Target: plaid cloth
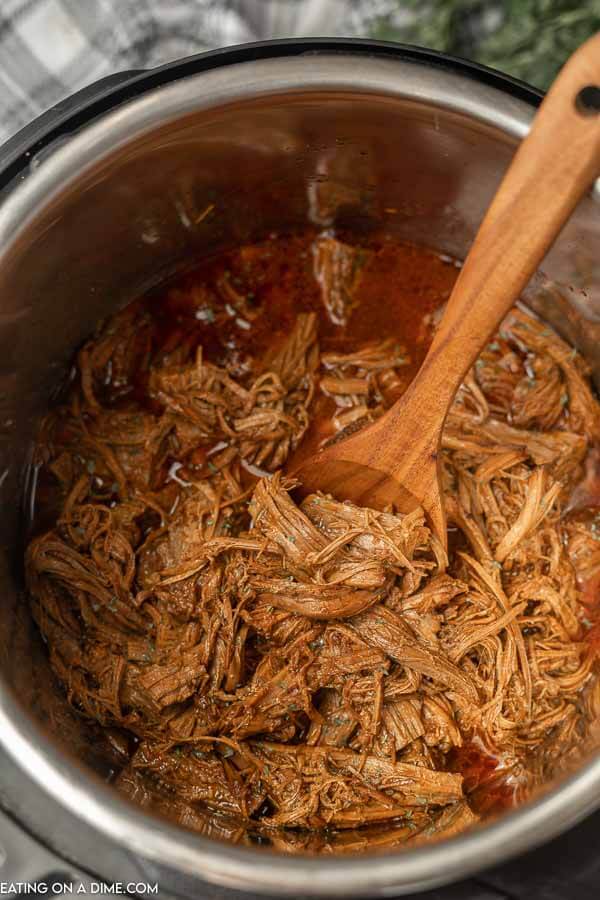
{"points": [[50, 48]]}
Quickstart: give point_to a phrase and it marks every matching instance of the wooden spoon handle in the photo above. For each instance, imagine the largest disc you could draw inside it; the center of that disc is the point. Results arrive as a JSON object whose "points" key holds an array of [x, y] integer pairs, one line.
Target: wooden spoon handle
{"points": [[552, 169]]}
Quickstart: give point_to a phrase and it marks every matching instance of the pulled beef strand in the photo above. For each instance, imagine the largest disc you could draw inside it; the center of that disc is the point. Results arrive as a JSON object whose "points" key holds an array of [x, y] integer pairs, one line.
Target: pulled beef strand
{"points": [[308, 674]]}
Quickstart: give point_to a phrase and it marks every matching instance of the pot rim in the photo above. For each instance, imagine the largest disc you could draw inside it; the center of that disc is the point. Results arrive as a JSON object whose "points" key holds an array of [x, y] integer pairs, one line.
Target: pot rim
{"points": [[109, 92], [466, 88]]}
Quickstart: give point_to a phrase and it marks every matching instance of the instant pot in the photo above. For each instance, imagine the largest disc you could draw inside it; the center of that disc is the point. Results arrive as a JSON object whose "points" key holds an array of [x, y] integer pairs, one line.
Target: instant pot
{"points": [[117, 188]]}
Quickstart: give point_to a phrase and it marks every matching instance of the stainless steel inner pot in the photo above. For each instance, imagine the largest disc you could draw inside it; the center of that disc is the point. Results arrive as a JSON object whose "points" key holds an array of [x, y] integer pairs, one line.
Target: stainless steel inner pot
{"points": [[355, 135]]}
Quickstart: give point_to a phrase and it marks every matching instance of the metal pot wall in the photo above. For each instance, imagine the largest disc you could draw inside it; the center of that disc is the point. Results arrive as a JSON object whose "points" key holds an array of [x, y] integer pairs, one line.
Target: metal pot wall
{"points": [[119, 187]]}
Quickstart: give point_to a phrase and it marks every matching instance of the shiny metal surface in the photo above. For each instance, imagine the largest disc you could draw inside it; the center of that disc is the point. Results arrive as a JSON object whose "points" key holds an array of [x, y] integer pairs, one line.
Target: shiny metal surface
{"points": [[229, 155]]}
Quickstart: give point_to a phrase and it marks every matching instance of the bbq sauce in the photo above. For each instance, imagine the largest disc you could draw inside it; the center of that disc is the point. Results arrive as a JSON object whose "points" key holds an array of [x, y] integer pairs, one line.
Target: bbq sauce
{"points": [[486, 785], [240, 303]]}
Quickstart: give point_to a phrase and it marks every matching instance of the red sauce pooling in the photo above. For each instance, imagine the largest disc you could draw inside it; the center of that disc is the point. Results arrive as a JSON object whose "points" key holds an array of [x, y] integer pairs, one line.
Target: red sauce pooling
{"points": [[399, 286], [485, 781]]}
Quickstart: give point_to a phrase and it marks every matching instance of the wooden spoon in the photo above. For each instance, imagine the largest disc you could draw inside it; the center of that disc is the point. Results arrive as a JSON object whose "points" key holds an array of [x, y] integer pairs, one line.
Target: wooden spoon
{"points": [[396, 459]]}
